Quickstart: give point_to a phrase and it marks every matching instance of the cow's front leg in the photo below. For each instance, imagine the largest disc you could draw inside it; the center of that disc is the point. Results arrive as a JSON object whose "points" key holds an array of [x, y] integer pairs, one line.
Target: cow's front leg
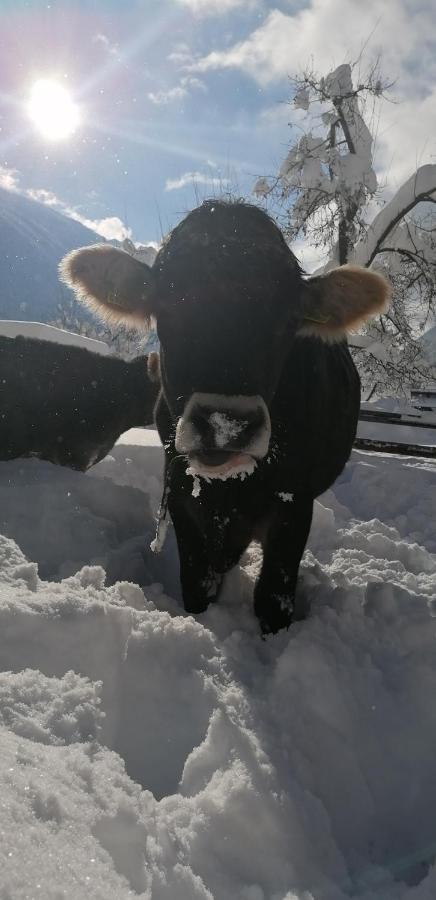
{"points": [[200, 582], [199, 578], [283, 547]]}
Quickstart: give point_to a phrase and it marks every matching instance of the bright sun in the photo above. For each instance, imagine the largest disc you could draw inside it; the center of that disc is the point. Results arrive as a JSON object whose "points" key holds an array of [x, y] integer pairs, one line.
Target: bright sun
{"points": [[52, 110]]}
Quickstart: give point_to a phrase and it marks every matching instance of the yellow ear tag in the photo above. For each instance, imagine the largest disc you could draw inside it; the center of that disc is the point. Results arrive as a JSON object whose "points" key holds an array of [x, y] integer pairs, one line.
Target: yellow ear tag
{"points": [[321, 321]]}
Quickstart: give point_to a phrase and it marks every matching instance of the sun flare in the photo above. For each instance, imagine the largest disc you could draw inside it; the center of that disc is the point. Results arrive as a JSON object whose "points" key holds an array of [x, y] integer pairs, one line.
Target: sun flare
{"points": [[52, 110]]}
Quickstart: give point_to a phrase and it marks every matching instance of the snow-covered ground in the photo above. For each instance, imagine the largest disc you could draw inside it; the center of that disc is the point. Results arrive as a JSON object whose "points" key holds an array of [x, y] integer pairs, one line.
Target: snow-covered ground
{"points": [[145, 753]]}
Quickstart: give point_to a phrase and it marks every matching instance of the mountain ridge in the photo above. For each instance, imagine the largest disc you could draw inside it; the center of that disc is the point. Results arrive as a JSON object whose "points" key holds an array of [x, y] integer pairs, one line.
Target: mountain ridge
{"points": [[33, 239]]}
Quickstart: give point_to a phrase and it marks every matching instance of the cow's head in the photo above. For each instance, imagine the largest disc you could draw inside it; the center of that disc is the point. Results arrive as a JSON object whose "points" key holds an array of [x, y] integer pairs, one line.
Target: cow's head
{"points": [[228, 299]]}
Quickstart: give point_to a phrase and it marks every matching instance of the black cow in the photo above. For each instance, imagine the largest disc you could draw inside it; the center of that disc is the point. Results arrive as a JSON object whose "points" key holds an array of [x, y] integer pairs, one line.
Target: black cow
{"points": [[256, 382], [66, 404]]}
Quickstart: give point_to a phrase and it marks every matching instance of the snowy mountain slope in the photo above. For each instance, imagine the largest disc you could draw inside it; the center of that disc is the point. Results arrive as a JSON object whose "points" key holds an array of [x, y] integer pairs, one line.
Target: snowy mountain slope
{"points": [[33, 239], [297, 768]]}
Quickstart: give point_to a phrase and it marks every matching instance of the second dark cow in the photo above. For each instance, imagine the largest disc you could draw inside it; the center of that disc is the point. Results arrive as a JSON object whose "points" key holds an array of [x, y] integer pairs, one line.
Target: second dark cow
{"points": [[66, 404]]}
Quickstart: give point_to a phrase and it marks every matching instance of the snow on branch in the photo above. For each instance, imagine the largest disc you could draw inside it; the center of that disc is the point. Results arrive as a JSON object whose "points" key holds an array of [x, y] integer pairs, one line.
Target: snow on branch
{"points": [[419, 188], [324, 187]]}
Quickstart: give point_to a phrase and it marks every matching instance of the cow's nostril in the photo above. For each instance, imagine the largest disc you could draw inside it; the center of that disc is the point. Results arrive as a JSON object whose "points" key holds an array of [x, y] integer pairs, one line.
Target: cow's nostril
{"points": [[252, 428], [200, 421]]}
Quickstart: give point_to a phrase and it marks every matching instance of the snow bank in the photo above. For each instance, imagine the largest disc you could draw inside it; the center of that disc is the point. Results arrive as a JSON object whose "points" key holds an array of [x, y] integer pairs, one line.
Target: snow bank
{"points": [[147, 753]]}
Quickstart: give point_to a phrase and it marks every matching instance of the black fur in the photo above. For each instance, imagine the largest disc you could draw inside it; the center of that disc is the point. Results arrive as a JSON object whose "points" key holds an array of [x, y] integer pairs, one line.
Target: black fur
{"points": [[229, 299], [66, 404], [230, 303]]}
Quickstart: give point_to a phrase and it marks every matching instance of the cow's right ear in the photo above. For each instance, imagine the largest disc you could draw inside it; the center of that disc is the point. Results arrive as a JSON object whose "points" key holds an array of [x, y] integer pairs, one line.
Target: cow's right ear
{"points": [[111, 282], [341, 301]]}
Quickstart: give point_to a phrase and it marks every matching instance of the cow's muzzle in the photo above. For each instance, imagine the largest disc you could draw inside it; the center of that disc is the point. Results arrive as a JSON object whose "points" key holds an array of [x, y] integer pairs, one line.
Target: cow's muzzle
{"points": [[216, 429]]}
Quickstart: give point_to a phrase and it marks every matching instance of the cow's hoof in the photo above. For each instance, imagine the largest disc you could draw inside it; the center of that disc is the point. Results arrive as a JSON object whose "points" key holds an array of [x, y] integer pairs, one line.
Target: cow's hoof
{"points": [[275, 615], [301, 606], [195, 606], [269, 627]]}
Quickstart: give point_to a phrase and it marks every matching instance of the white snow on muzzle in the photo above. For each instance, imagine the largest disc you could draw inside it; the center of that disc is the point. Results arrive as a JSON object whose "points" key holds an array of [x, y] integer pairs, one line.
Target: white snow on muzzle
{"points": [[224, 417]]}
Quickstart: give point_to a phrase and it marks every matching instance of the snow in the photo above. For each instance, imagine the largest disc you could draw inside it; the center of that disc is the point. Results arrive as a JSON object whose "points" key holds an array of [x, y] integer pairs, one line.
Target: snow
{"points": [[147, 753], [329, 169], [143, 437], [42, 332], [303, 166], [225, 427], [421, 185], [302, 99], [262, 187], [338, 83], [428, 343], [408, 432], [146, 253], [425, 399]]}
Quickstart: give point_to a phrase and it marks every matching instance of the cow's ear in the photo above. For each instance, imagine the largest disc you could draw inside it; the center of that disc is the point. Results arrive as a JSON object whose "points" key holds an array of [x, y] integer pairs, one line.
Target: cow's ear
{"points": [[341, 301], [111, 282]]}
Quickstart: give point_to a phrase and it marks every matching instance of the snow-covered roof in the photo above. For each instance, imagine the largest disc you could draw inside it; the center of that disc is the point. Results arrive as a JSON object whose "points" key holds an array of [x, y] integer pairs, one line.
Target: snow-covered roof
{"points": [[44, 332]]}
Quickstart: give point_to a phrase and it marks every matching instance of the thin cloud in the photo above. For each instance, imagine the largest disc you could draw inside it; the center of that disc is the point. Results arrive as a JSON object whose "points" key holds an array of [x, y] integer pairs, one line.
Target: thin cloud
{"points": [[181, 55], [102, 39], [160, 98], [112, 228], [42, 196], [193, 178], [187, 83], [217, 7], [9, 179]]}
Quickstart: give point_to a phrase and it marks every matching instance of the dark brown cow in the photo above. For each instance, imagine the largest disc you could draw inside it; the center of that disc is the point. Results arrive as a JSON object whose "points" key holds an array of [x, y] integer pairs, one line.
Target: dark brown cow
{"points": [[259, 395]]}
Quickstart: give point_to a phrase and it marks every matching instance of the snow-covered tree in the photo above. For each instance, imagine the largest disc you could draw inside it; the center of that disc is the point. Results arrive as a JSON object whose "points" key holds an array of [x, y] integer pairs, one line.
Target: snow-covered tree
{"points": [[327, 177], [327, 190], [401, 241], [71, 317]]}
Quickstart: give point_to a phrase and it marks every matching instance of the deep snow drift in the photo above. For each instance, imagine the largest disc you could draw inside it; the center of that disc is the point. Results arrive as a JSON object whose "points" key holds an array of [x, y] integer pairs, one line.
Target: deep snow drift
{"points": [[148, 754]]}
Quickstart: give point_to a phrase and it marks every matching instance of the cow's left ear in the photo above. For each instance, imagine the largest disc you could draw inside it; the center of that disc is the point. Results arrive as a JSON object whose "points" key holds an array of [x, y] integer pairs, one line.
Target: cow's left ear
{"points": [[111, 282], [341, 301]]}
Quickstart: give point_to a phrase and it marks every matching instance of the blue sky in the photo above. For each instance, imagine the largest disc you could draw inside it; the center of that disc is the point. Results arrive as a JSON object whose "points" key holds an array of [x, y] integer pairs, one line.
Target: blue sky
{"points": [[183, 99]]}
